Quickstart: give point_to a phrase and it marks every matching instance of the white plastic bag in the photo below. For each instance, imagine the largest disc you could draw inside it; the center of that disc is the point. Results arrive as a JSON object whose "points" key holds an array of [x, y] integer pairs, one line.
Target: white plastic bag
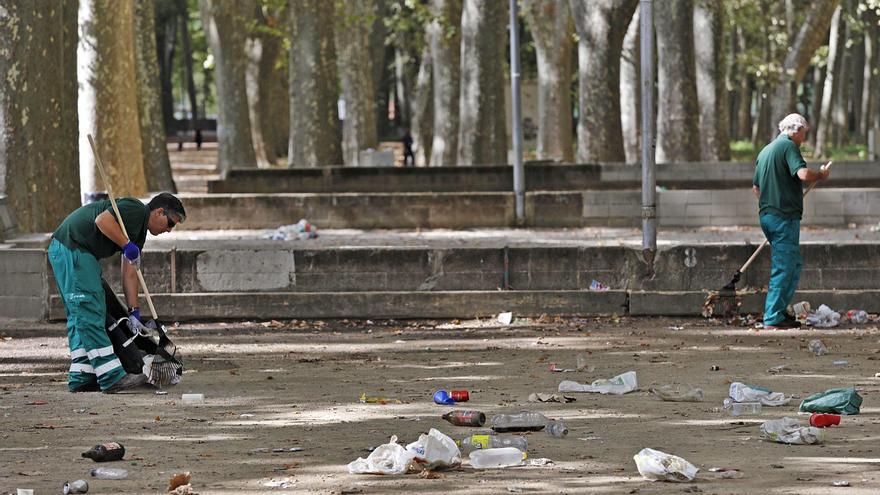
{"points": [[654, 465], [788, 430], [824, 317], [389, 458], [435, 451], [619, 385], [740, 392]]}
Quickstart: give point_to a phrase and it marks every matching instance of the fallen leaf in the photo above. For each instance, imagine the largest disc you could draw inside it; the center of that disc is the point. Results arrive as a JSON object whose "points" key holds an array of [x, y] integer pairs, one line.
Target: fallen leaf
{"points": [[179, 479]]}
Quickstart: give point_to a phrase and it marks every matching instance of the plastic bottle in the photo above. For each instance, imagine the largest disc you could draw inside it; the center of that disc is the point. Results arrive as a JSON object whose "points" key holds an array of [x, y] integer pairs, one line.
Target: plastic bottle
{"points": [[557, 429], [477, 442], [857, 316], [78, 486], [496, 458], [522, 421], [678, 392], [820, 420], [465, 418], [103, 473], [105, 452], [818, 348], [741, 408]]}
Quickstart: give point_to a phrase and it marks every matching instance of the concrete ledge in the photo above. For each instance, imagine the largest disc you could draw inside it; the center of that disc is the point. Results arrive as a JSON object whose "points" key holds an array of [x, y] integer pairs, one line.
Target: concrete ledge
{"points": [[237, 306], [690, 303]]}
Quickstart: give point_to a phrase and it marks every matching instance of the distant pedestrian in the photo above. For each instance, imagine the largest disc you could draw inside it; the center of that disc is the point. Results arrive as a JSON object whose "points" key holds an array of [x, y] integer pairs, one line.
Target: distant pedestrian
{"points": [[409, 159], [779, 176]]}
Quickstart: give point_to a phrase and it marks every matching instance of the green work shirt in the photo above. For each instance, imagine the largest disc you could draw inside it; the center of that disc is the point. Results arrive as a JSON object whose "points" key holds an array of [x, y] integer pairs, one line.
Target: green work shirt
{"points": [[78, 230], [776, 169]]}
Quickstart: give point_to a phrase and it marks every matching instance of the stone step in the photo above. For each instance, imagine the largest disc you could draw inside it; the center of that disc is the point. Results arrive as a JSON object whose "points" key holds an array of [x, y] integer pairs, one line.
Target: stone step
{"points": [[827, 207], [458, 304]]}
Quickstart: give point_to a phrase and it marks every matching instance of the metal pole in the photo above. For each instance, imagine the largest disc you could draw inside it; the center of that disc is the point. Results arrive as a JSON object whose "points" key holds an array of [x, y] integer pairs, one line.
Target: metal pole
{"points": [[519, 179], [649, 182]]}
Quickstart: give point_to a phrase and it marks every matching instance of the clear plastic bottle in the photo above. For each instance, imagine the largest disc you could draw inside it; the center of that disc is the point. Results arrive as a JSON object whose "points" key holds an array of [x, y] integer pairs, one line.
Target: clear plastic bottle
{"points": [[477, 442], [522, 421], [496, 458], [857, 316], [103, 473], [818, 348], [557, 429], [678, 392], [742, 408]]}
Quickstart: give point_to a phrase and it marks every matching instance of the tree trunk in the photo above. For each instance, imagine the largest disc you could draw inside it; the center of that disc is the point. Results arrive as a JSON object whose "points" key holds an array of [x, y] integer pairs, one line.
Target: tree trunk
{"points": [[551, 27], [858, 85], [840, 108], [225, 24], [744, 106], [354, 21], [482, 136], [402, 87], [379, 56], [108, 97], [872, 81], [38, 115], [444, 37], [601, 26], [711, 80], [809, 38], [630, 92], [187, 61], [314, 121], [157, 166], [262, 49], [815, 118], [423, 111], [678, 132], [166, 41], [832, 84]]}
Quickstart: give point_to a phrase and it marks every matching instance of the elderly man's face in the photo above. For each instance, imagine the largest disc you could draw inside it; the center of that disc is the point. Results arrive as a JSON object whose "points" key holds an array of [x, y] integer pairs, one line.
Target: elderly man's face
{"points": [[800, 136]]}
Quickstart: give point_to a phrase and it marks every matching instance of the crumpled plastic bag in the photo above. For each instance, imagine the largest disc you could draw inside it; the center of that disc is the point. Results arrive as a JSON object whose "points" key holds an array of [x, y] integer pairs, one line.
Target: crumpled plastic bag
{"points": [[654, 465], [788, 430], [824, 317], [539, 397], [389, 458], [834, 401], [740, 392], [435, 451], [619, 385]]}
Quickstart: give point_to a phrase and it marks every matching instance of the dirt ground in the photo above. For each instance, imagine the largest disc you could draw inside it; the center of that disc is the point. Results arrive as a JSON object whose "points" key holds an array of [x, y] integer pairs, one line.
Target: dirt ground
{"points": [[275, 385]]}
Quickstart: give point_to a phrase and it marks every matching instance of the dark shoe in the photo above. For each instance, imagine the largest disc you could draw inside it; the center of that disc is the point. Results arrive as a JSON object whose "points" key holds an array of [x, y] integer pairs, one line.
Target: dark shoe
{"points": [[88, 387], [127, 382], [783, 325], [793, 322]]}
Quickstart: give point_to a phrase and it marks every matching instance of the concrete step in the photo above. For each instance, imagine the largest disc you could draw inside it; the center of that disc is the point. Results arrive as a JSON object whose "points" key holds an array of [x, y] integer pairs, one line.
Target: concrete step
{"points": [[459, 304], [828, 207]]}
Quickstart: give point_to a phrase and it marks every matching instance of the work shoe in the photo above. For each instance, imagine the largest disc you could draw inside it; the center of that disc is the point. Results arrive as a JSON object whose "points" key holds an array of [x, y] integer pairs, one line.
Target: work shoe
{"points": [[127, 382], [783, 325], [88, 387]]}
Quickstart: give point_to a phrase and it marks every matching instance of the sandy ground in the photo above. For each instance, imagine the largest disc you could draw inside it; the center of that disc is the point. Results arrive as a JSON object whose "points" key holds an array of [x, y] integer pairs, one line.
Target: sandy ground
{"points": [[296, 384]]}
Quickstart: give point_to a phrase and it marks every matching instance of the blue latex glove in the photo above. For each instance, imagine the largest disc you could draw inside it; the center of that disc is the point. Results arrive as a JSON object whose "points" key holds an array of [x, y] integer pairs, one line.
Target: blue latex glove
{"points": [[136, 314], [132, 253]]}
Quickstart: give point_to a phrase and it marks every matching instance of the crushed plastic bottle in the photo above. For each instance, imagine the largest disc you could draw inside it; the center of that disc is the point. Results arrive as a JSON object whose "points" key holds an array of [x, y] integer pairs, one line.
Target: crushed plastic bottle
{"points": [[857, 316], [103, 473], [78, 486], [818, 348], [618, 385], [556, 429], [465, 418], [496, 458], [478, 442], [788, 430], [522, 421], [678, 392], [105, 452], [742, 408], [726, 473]]}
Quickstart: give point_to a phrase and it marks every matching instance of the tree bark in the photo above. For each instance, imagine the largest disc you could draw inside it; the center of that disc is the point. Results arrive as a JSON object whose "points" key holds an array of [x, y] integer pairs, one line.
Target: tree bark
{"points": [[186, 54], [379, 56], [744, 100], [354, 21], [167, 15], [630, 92], [832, 82], [314, 121], [108, 97], [263, 83], [678, 133], [815, 118], [872, 75], [444, 38], [157, 166], [423, 111], [38, 114], [858, 85], [402, 87], [601, 26], [810, 37], [482, 136], [709, 21], [840, 109], [225, 24], [551, 26]]}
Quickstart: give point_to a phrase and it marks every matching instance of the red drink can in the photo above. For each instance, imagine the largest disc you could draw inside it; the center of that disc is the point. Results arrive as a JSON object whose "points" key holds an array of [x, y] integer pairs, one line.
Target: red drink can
{"points": [[460, 395], [824, 420]]}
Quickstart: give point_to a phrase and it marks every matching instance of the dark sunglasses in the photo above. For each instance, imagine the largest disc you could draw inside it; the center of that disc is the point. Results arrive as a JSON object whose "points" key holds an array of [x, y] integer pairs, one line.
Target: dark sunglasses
{"points": [[171, 222]]}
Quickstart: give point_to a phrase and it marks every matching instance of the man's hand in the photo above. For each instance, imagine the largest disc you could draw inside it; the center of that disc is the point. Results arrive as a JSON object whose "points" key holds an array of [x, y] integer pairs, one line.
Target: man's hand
{"points": [[132, 253]]}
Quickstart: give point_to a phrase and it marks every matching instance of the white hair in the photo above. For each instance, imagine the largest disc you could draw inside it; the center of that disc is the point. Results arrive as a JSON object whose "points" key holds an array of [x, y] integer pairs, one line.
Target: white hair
{"points": [[792, 123]]}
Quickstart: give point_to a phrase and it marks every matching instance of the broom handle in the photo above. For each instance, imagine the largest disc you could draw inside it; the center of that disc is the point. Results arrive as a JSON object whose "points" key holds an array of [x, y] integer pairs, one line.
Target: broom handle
{"points": [[100, 166], [766, 241]]}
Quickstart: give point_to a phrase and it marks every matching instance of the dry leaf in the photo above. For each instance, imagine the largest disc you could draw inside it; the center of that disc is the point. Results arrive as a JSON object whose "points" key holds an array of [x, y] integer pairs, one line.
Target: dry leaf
{"points": [[179, 479]]}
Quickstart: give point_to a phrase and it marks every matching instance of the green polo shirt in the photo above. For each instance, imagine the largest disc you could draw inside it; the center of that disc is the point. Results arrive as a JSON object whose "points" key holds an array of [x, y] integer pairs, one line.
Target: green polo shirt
{"points": [[776, 169], [78, 230]]}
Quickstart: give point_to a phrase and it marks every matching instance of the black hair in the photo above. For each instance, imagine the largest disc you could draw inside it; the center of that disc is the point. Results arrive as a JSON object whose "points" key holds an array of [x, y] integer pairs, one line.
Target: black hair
{"points": [[168, 202]]}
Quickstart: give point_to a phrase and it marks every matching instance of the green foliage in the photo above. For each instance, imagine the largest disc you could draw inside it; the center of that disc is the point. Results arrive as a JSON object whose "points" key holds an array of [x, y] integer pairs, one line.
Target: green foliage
{"points": [[744, 151]]}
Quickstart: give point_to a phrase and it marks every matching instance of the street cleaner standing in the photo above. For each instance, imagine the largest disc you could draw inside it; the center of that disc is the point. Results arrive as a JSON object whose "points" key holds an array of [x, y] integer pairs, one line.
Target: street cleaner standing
{"points": [[88, 234], [778, 183]]}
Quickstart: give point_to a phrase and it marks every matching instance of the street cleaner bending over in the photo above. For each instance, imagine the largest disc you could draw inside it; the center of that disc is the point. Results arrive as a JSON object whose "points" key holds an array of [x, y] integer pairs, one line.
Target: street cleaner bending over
{"points": [[87, 235], [778, 184]]}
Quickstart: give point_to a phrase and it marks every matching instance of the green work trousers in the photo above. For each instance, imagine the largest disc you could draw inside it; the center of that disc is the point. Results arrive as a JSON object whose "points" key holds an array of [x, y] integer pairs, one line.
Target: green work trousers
{"points": [[78, 275], [784, 235]]}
